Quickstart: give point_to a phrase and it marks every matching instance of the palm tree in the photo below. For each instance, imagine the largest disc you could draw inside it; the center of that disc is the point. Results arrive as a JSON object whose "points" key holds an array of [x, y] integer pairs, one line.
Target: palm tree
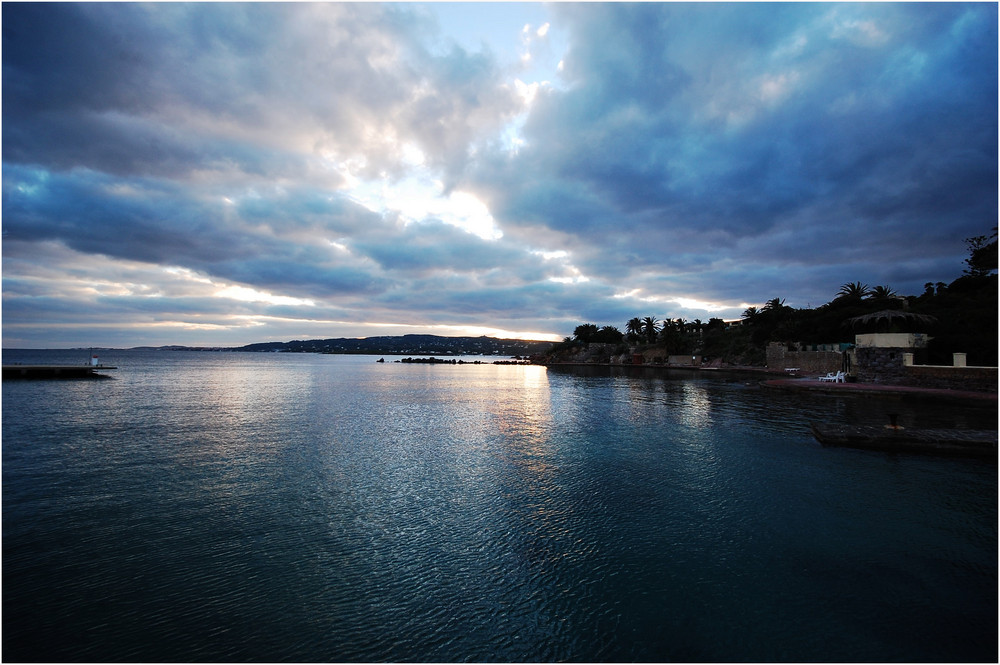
{"points": [[890, 320], [853, 291], [750, 313], [634, 328], [774, 304], [649, 326], [881, 292], [982, 255], [585, 332], [608, 335]]}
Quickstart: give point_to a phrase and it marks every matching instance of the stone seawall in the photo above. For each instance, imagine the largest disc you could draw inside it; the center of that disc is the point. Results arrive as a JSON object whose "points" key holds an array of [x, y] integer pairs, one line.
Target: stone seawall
{"points": [[886, 366], [983, 379]]}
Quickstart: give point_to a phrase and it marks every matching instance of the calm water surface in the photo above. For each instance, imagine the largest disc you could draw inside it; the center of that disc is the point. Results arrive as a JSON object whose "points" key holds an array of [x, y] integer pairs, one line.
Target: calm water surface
{"points": [[285, 507]]}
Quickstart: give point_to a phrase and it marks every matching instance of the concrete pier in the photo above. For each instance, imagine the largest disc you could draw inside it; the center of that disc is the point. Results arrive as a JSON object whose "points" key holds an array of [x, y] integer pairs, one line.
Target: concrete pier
{"points": [[54, 371], [940, 395], [892, 438]]}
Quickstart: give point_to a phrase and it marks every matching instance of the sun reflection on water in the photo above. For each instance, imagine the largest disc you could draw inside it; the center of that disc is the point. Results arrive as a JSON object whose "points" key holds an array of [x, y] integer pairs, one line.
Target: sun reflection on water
{"points": [[695, 405]]}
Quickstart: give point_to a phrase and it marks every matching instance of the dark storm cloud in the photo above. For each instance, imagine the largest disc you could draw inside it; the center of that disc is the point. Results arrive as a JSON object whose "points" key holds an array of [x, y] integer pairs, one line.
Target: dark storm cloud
{"points": [[433, 246], [163, 224], [63, 57], [464, 302], [171, 88], [140, 220], [708, 124]]}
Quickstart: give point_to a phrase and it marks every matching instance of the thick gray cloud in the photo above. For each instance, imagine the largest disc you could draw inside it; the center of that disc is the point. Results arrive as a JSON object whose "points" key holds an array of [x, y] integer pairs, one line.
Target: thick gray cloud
{"points": [[805, 130], [171, 89], [220, 172]]}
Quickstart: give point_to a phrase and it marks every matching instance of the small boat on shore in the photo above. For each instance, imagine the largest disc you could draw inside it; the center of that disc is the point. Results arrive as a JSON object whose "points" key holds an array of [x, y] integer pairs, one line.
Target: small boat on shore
{"points": [[955, 442]]}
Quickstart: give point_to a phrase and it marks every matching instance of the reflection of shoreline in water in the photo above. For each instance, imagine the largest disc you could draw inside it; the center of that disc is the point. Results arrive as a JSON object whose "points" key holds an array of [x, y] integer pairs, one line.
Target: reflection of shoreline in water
{"points": [[789, 410], [433, 360]]}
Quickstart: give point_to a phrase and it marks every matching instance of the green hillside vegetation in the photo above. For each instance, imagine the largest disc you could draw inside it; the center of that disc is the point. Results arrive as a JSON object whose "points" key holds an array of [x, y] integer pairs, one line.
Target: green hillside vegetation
{"points": [[960, 317]]}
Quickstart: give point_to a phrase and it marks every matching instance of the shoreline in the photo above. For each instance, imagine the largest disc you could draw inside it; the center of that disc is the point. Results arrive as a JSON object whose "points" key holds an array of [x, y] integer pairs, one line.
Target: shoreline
{"points": [[692, 368]]}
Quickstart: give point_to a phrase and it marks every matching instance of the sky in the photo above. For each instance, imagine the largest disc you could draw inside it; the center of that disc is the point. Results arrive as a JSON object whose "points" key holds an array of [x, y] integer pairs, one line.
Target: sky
{"points": [[216, 174]]}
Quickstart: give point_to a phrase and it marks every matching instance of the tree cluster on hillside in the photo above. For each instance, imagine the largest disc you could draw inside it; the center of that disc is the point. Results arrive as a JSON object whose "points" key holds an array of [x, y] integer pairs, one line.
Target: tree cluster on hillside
{"points": [[960, 316], [407, 344]]}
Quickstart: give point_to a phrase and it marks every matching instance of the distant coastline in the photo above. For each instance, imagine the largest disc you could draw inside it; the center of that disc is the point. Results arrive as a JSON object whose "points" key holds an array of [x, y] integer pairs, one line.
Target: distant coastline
{"points": [[398, 345]]}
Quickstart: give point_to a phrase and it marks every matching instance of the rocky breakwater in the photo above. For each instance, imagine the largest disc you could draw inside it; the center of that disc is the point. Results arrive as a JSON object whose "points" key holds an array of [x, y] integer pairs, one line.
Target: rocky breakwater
{"points": [[605, 354], [587, 354]]}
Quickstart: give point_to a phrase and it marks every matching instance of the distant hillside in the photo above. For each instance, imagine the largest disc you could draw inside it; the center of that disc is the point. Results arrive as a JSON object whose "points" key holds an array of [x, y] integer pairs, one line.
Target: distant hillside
{"points": [[408, 344]]}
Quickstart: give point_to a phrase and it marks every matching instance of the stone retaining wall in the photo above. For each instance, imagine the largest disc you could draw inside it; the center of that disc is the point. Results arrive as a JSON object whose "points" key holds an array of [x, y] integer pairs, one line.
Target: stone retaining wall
{"points": [[816, 363], [880, 364]]}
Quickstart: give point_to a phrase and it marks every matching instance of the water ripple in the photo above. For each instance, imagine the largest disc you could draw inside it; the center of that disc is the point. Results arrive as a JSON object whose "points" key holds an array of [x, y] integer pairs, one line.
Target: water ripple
{"points": [[319, 509]]}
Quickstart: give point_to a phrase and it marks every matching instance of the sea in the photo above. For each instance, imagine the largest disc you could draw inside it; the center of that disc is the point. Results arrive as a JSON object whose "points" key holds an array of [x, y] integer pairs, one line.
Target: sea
{"points": [[274, 507]]}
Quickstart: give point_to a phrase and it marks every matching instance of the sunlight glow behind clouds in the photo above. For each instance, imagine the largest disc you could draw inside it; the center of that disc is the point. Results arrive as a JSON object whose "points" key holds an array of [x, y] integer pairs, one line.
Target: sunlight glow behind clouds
{"points": [[693, 303], [420, 198], [253, 295], [689, 304]]}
